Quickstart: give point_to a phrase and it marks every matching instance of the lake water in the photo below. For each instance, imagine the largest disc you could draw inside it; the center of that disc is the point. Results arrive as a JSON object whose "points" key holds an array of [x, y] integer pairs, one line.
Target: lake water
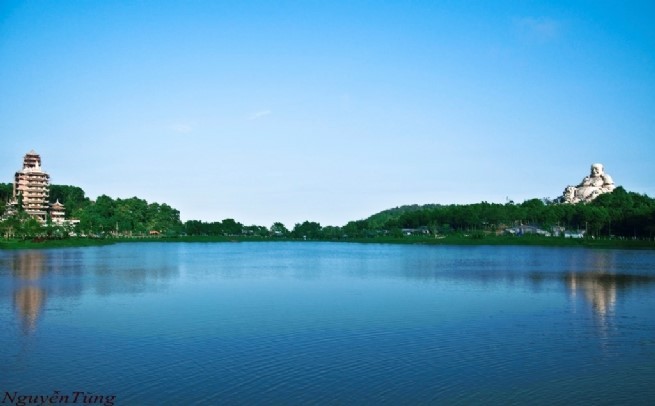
{"points": [[328, 323]]}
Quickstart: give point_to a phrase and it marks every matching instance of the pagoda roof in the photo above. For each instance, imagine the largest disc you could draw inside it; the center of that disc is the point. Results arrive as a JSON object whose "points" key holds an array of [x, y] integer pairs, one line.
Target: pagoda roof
{"points": [[57, 204]]}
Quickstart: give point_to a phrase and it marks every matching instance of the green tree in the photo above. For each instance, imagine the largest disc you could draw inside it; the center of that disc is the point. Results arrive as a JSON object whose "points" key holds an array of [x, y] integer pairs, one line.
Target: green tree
{"points": [[279, 229], [308, 229], [22, 225], [195, 227], [72, 197], [98, 217], [231, 227], [356, 229], [595, 218], [6, 194], [163, 218], [332, 232]]}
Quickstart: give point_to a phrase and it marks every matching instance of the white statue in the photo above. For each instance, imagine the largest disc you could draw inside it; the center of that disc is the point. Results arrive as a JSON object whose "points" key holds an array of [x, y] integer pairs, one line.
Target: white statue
{"points": [[592, 186]]}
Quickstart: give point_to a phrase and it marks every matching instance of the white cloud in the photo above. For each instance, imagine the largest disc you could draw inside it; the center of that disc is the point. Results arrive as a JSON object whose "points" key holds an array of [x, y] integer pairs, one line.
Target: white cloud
{"points": [[538, 28], [259, 114], [182, 128]]}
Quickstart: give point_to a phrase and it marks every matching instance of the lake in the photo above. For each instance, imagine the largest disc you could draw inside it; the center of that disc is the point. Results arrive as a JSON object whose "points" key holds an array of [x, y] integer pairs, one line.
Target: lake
{"points": [[327, 323]]}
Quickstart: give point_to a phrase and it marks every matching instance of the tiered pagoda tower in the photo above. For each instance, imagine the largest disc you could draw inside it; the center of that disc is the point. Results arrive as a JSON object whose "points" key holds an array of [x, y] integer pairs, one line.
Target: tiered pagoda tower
{"points": [[57, 213], [32, 186]]}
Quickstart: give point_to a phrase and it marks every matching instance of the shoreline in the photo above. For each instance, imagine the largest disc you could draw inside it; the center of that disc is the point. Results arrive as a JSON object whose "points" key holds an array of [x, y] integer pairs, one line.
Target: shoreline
{"points": [[448, 240]]}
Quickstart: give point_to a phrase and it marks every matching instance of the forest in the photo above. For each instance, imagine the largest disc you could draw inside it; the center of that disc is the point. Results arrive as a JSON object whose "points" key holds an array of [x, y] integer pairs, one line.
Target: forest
{"points": [[620, 214], [104, 217]]}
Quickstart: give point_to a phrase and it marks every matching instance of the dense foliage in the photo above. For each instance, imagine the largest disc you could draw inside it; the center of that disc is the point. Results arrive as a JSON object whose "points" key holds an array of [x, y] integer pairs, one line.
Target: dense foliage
{"points": [[617, 214], [131, 216], [6, 193], [620, 214], [227, 227], [103, 217], [72, 197]]}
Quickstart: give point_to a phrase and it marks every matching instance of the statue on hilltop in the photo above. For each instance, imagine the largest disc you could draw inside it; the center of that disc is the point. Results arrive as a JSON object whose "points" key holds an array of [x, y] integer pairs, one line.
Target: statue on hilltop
{"points": [[592, 186]]}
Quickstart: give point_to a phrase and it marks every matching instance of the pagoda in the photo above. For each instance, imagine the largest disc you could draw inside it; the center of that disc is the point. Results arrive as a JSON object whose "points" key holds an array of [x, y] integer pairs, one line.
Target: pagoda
{"points": [[57, 213], [32, 187]]}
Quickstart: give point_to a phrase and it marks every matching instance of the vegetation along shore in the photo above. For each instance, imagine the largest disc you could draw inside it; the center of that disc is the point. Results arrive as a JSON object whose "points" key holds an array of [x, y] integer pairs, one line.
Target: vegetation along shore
{"points": [[619, 219]]}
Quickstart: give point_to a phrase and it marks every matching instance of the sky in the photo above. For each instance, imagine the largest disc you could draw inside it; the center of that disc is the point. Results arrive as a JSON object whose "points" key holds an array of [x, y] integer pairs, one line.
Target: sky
{"points": [[327, 111]]}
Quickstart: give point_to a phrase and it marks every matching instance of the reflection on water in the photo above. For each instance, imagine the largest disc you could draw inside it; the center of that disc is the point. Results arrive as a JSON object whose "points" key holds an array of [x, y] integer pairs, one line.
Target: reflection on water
{"points": [[603, 291], [28, 265], [310, 323], [597, 282], [599, 290], [29, 301], [29, 297], [601, 276], [37, 275]]}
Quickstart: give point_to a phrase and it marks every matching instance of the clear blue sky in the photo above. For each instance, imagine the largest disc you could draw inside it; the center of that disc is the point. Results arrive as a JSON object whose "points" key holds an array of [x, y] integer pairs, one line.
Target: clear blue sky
{"points": [[325, 110]]}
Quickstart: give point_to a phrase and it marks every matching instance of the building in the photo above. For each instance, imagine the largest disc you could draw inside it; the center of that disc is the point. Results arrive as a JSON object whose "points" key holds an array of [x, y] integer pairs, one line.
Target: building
{"points": [[527, 229], [32, 187], [31, 193], [57, 212]]}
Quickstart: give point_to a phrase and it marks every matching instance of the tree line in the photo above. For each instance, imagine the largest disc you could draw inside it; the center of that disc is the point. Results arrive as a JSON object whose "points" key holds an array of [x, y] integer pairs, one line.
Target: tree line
{"points": [[619, 214], [103, 217]]}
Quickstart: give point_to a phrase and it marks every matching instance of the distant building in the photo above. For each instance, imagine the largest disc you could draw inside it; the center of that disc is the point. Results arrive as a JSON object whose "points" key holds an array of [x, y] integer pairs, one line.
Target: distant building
{"points": [[32, 187], [526, 229], [57, 212], [416, 231], [31, 193], [574, 234]]}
